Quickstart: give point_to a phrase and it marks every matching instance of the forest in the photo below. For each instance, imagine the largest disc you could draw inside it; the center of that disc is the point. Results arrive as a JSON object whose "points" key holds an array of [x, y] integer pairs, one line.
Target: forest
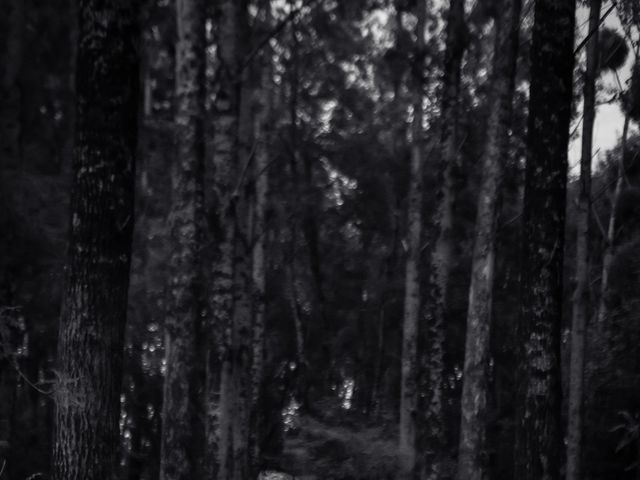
{"points": [[319, 239]]}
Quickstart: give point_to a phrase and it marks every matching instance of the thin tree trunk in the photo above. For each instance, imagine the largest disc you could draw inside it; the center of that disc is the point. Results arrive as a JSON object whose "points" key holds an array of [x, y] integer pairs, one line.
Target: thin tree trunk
{"points": [[220, 402], [180, 428], [91, 337], [408, 394], [233, 138], [473, 449], [580, 309], [538, 425], [432, 436], [306, 194], [295, 313], [611, 234]]}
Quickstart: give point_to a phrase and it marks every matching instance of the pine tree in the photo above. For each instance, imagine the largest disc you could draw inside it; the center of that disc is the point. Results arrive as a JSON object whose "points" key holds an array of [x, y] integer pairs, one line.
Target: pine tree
{"points": [[180, 423], [262, 132], [473, 451], [233, 141], [538, 429], [580, 310], [408, 396], [90, 345], [432, 434]]}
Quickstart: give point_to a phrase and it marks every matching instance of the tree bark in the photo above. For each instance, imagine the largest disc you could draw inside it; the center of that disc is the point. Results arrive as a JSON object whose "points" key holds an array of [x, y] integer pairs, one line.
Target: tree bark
{"points": [[259, 239], [473, 451], [538, 428], [180, 425], [11, 23], [242, 280], [580, 309], [235, 132], [408, 394], [432, 431], [90, 343]]}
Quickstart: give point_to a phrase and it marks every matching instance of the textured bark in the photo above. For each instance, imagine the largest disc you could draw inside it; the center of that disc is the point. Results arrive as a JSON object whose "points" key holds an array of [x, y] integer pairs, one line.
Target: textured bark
{"points": [[11, 23], [242, 311], [538, 425], [90, 344], [219, 376], [225, 159], [473, 450], [580, 309], [408, 393], [179, 439], [259, 207], [432, 431], [234, 133], [138, 400]]}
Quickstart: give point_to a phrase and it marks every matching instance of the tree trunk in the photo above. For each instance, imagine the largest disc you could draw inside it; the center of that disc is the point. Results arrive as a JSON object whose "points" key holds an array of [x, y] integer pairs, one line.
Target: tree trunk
{"points": [[259, 240], [90, 344], [611, 236], [580, 309], [11, 25], [233, 141], [408, 394], [473, 451], [180, 427], [432, 432], [218, 426], [242, 281], [538, 428]]}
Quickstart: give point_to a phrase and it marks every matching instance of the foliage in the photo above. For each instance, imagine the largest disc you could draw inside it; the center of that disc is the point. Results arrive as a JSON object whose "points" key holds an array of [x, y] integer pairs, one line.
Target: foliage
{"points": [[613, 49]]}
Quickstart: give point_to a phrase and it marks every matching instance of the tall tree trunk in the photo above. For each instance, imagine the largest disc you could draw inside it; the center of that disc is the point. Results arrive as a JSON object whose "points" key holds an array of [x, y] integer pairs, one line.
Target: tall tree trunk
{"points": [[259, 239], [408, 394], [473, 451], [225, 159], [219, 373], [580, 309], [234, 121], [432, 436], [11, 23], [538, 428], [242, 281], [90, 344], [180, 425], [611, 235]]}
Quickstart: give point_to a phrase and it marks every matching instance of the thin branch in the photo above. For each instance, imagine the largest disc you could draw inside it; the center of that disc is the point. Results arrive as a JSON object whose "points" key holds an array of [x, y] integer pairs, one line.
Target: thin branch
{"points": [[243, 174], [598, 221], [595, 30], [29, 382]]}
